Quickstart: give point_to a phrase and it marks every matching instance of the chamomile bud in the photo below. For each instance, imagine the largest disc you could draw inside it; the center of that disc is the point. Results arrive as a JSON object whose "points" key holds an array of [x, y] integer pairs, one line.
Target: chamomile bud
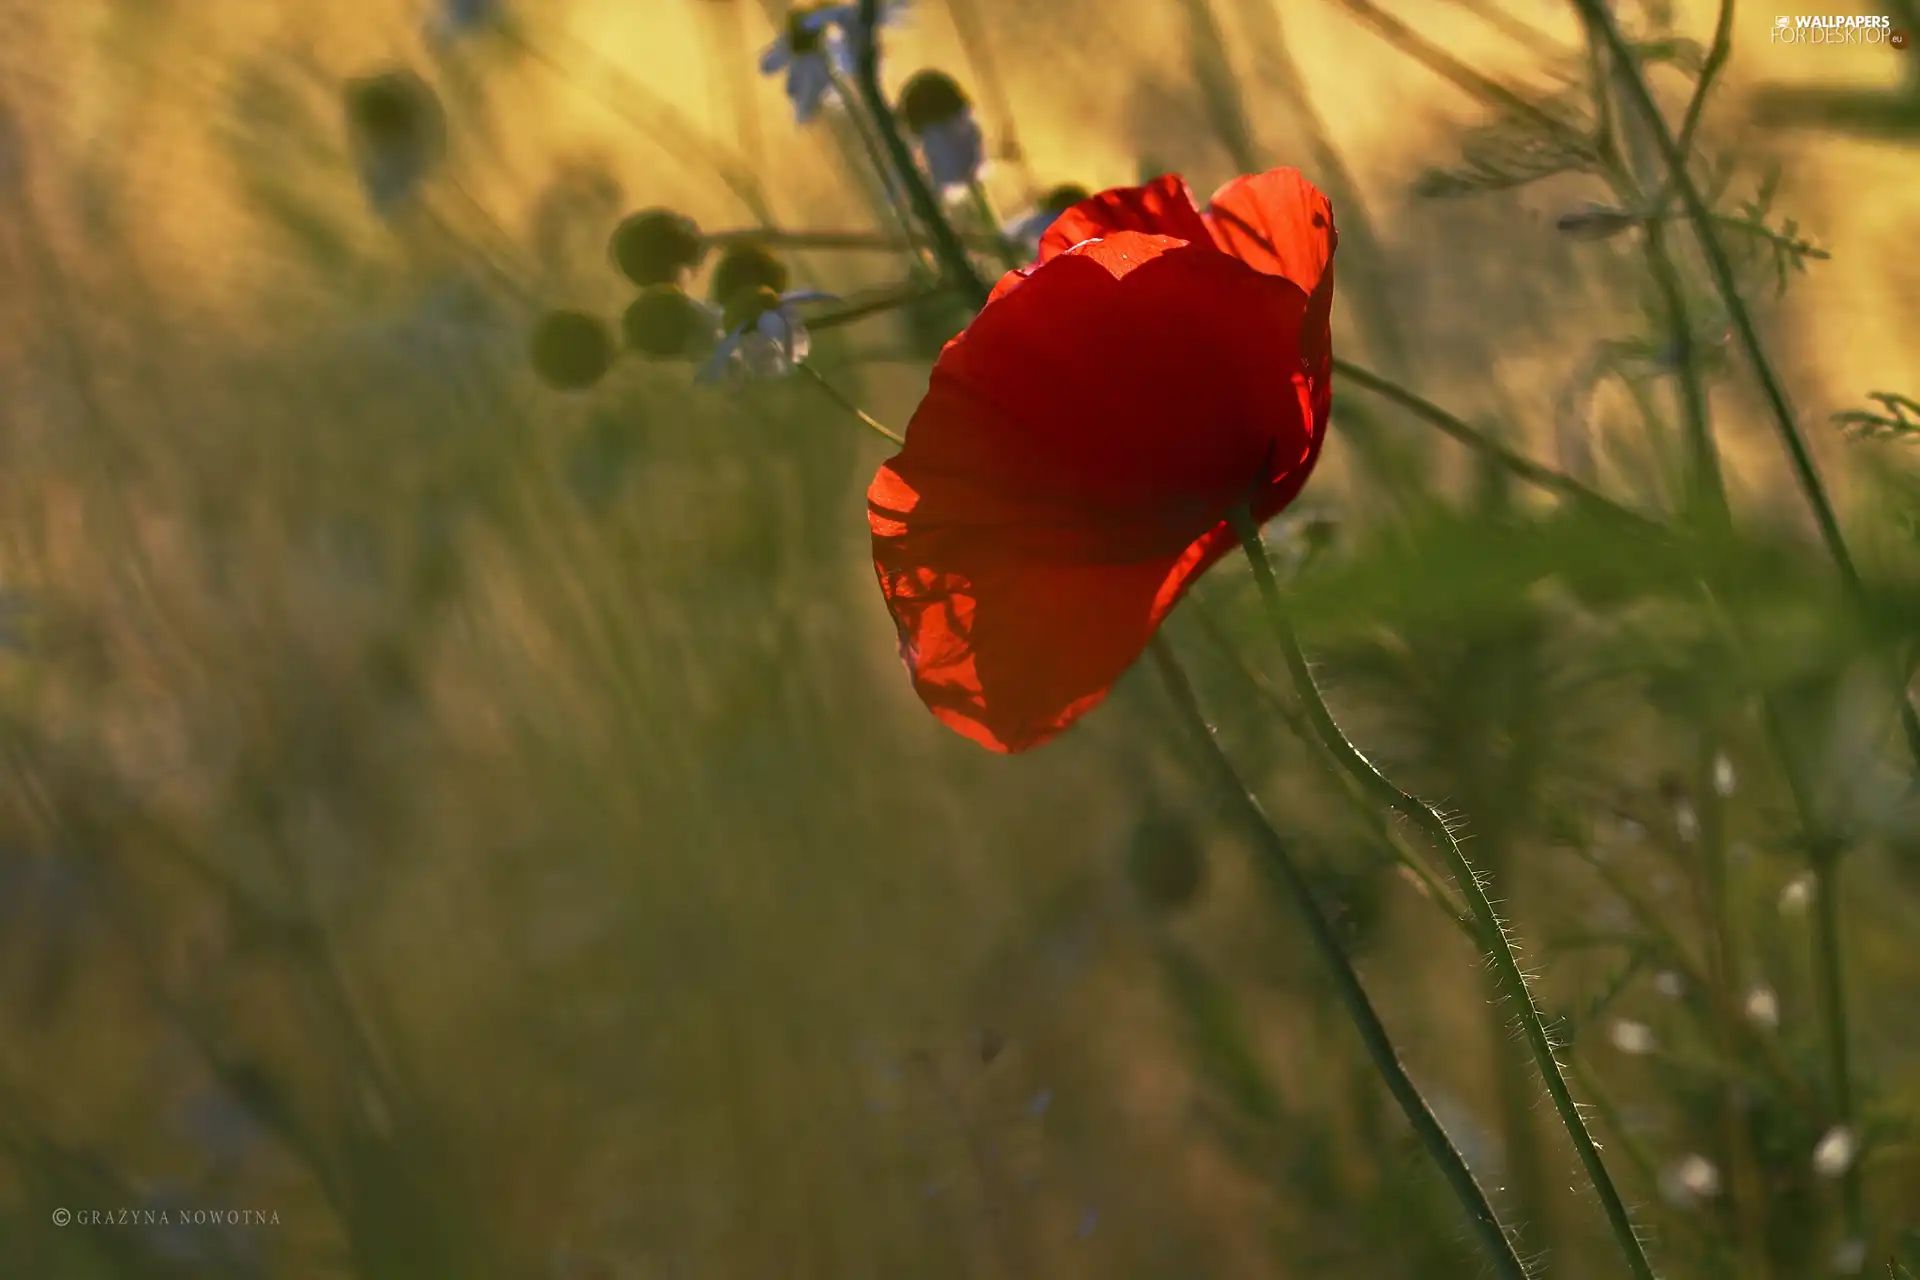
{"points": [[656, 246], [940, 117], [571, 350], [745, 268], [397, 132], [664, 324]]}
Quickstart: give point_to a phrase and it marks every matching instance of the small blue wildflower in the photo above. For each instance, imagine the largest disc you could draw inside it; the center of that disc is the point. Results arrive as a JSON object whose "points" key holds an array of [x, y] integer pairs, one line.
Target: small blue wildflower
{"points": [[453, 19], [766, 337], [938, 114], [820, 42]]}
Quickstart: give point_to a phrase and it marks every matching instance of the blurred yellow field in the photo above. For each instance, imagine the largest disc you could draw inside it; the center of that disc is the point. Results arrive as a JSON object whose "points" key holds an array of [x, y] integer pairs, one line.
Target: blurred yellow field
{"points": [[459, 827]]}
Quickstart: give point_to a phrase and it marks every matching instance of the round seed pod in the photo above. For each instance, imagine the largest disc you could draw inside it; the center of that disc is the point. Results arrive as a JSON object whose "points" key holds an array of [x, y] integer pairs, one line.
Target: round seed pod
{"points": [[397, 130], [664, 323], [656, 246], [931, 98], [1064, 197], [744, 268], [571, 350], [747, 306]]}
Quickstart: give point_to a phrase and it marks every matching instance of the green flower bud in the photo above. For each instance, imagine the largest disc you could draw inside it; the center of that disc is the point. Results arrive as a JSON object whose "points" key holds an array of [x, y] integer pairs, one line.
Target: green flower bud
{"points": [[664, 323], [571, 350], [656, 246], [744, 268]]}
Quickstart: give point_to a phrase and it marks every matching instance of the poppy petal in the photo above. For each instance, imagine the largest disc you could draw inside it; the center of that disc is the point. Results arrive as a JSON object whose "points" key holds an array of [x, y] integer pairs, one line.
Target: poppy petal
{"points": [[1068, 474], [1280, 223], [1163, 207]]}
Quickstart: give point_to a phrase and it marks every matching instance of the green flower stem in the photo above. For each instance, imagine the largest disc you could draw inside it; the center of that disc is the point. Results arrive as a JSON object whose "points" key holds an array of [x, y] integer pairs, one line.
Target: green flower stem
{"points": [[1824, 849], [1710, 69], [1720, 267], [865, 305], [955, 265], [1745, 1192], [833, 393], [1525, 468], [1833, 1001], [1008, 251], [1512, 981], [882, 173], [1284, 875], [849, 241], [1705, 494], [1428, 881]]}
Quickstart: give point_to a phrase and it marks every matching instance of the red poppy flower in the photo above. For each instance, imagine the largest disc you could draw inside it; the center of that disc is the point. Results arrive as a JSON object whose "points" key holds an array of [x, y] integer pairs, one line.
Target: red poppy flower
{"points": [[1070, 472]]}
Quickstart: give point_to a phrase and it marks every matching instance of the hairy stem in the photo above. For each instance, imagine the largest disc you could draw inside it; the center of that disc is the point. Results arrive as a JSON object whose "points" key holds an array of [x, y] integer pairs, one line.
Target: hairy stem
{"points": [[1511, 979], [1284, 874], [1426, 880]]}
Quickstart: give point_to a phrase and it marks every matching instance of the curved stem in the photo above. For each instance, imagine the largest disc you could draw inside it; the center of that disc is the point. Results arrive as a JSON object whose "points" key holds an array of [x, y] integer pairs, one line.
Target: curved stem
{"points": [[1277, 864], [1525, 468], [1493, 934], [1426, 879], [833, 394]]}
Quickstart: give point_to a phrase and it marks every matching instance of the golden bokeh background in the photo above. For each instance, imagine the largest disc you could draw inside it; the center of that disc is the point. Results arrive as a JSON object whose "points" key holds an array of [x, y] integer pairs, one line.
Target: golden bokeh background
{"points": [[573, 887]]}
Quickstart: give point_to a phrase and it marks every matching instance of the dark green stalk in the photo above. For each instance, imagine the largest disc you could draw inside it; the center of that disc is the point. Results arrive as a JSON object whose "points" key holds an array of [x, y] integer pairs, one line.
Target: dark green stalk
{"points": [[1824, 850], [1833, 1002], [1706, 495], [1283, 874], [1525, 468], [1745, 1195], [1710, 70], [983, 206], [882, 173], [1511, 979], [1720, 267], [955, 265], [1426, 878]]}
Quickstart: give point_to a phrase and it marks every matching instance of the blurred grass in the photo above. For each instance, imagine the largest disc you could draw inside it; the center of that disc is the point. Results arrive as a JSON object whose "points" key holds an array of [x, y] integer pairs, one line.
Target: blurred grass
{"points": [[489, 829]]}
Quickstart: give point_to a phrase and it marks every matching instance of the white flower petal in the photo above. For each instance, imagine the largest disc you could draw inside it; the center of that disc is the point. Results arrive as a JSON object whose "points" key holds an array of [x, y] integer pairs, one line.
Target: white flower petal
{"points": [[716, 365], [1632, 1037], [1833, 1154]]}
